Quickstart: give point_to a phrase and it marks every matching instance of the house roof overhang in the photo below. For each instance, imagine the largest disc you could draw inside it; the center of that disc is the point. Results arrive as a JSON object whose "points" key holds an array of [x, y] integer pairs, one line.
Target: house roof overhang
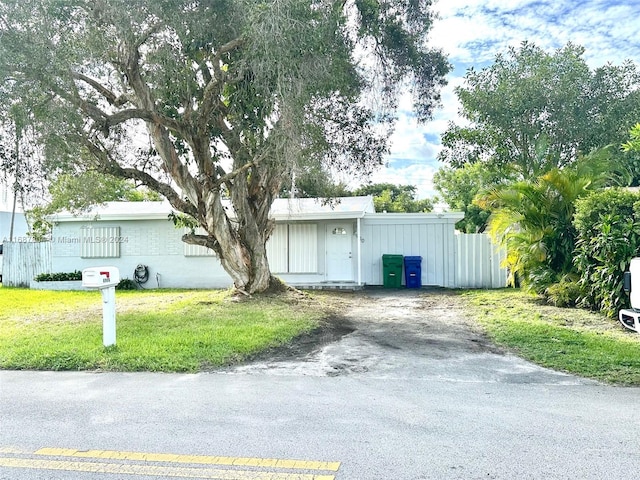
{"points": [[283, 209]]}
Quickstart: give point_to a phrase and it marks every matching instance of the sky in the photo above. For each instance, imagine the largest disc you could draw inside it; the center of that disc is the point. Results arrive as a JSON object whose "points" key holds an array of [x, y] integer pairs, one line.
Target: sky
{"points": [[472, 32]]}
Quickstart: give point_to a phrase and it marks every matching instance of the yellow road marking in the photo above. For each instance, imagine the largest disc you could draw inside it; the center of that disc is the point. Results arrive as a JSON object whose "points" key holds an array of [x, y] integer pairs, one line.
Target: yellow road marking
{"points": [[155, 470], [197, 459], [12, 451]]}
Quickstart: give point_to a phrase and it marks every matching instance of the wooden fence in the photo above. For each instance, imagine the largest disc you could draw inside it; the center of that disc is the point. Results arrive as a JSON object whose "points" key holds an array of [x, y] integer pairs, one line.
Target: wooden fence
{"points": [[22, 261]]}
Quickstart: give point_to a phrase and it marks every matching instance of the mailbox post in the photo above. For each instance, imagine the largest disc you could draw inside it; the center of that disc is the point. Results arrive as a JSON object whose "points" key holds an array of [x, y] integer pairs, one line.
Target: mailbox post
{"points": [[104, 279]]}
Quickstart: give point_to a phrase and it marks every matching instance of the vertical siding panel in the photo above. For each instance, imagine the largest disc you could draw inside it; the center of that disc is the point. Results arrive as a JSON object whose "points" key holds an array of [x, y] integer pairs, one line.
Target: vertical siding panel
{"points": [[410, 243], [499, 273], [376, 253], [100, 242], [479, 262], [431, 255], [303, 248], [277, 249], [442, 258], [376, 247], [370, 254]]}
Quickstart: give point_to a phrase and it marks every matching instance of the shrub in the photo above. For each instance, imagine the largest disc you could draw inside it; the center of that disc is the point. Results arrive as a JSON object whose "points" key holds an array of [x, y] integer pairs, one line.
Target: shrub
{"points": [[565, 293], [126, 284], [608, 226], [59, 277]]}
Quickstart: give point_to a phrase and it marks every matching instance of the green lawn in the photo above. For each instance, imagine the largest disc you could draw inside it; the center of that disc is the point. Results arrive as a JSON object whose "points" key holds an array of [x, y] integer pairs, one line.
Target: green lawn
{"points": [[571, 340], [190, 331], [169, 331]]}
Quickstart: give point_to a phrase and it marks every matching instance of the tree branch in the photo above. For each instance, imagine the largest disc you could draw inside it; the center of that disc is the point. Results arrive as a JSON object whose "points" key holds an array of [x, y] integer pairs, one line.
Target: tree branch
{"points": [[102, 90], [209, 97], [201, 240], [106, 164], [158, 126], [231, 175]]}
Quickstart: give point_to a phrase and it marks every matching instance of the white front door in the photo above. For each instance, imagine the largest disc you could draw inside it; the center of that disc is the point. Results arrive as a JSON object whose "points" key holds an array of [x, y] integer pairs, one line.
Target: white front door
{"points": [[340, 252]]}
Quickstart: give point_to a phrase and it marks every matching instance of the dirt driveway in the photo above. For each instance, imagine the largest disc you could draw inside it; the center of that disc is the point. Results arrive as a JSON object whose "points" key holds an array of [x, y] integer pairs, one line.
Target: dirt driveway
{"points": [[402, 334]]}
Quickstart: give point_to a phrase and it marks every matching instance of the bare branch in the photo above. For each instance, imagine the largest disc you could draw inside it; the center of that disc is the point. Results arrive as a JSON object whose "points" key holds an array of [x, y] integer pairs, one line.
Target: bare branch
{"points": [[201, 240], [231, 175], [102, 90], [142, 39]]}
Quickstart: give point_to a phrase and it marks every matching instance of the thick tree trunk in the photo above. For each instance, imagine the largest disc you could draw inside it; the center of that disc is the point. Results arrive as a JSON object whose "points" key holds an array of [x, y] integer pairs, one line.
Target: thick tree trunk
{"points": [[245, 261], [252, 274], [238, 238]]}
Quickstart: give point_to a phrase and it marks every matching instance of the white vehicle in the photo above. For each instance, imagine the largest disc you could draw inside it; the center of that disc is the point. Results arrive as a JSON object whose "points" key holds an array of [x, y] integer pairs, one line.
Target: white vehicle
{"points": [[630, 318]]}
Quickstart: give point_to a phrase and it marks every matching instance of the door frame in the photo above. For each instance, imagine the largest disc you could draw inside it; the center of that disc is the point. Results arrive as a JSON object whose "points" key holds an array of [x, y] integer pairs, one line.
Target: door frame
{"points": [[349, 224]]}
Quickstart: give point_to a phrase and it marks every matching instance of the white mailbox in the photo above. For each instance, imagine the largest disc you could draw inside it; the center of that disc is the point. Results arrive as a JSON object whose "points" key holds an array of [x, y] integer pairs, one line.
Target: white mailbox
{"points": [[100, 277], [105, 279]]}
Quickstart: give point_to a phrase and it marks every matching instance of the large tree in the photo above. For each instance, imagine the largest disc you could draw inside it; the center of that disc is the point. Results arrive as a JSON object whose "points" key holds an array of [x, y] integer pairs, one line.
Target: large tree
{"points": [[532, 111], [232, 94]]}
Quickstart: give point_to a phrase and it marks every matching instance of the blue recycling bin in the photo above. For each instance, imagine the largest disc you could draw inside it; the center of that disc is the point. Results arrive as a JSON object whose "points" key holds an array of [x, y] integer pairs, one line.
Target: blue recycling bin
{"points": [[413, 272]]}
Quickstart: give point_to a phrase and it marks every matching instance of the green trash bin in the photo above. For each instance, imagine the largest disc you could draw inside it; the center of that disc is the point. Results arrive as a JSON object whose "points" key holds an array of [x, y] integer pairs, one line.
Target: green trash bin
{"points": [[392, 271]]}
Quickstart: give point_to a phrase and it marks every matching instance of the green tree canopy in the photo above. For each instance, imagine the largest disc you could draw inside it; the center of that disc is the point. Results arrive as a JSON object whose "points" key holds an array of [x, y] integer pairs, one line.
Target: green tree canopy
{"points": [[532, 111], [460, 186], [388, 197], [78, 192], [230, 95]]}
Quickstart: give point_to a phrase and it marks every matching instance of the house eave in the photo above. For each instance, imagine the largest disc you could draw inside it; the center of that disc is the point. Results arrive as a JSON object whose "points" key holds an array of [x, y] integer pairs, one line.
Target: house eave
{"points": [[106, 217], [417, 216], [317, 216]]}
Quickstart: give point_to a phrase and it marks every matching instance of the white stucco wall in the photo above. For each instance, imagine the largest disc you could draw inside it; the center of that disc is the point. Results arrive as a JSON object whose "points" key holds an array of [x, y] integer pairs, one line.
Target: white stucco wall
{"points": [[155, 243]]}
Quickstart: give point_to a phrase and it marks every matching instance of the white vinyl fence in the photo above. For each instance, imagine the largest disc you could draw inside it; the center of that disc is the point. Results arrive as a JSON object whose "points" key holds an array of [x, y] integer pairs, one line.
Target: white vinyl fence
{"points": [[479, 262], [22, 261]]}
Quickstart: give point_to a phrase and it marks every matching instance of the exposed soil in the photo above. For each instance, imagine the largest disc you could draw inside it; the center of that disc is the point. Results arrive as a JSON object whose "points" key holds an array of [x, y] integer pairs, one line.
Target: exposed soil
{"points": [[379, 331]]}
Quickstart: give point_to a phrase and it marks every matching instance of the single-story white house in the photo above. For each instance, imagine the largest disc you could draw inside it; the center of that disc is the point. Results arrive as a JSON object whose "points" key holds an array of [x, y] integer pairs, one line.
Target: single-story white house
{"points": [[313, 244]]}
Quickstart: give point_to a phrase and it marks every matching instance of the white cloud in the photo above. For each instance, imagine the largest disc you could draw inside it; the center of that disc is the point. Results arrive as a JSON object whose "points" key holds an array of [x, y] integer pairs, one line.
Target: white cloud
{"points": [[419, 175], [472, 32]]}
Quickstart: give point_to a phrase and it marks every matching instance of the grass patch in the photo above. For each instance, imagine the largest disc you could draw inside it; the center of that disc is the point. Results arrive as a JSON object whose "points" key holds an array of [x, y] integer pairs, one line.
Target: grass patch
{"points": [[168, 331], [567, 339]]}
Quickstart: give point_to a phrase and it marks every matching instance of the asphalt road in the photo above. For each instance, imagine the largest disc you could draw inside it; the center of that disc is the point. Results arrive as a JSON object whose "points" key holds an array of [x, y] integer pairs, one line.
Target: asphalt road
{"points": [[411, 393]]}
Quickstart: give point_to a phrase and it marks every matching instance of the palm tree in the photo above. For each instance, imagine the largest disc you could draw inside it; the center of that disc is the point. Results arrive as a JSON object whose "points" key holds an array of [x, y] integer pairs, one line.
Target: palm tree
{"points": [[533, 220]]}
